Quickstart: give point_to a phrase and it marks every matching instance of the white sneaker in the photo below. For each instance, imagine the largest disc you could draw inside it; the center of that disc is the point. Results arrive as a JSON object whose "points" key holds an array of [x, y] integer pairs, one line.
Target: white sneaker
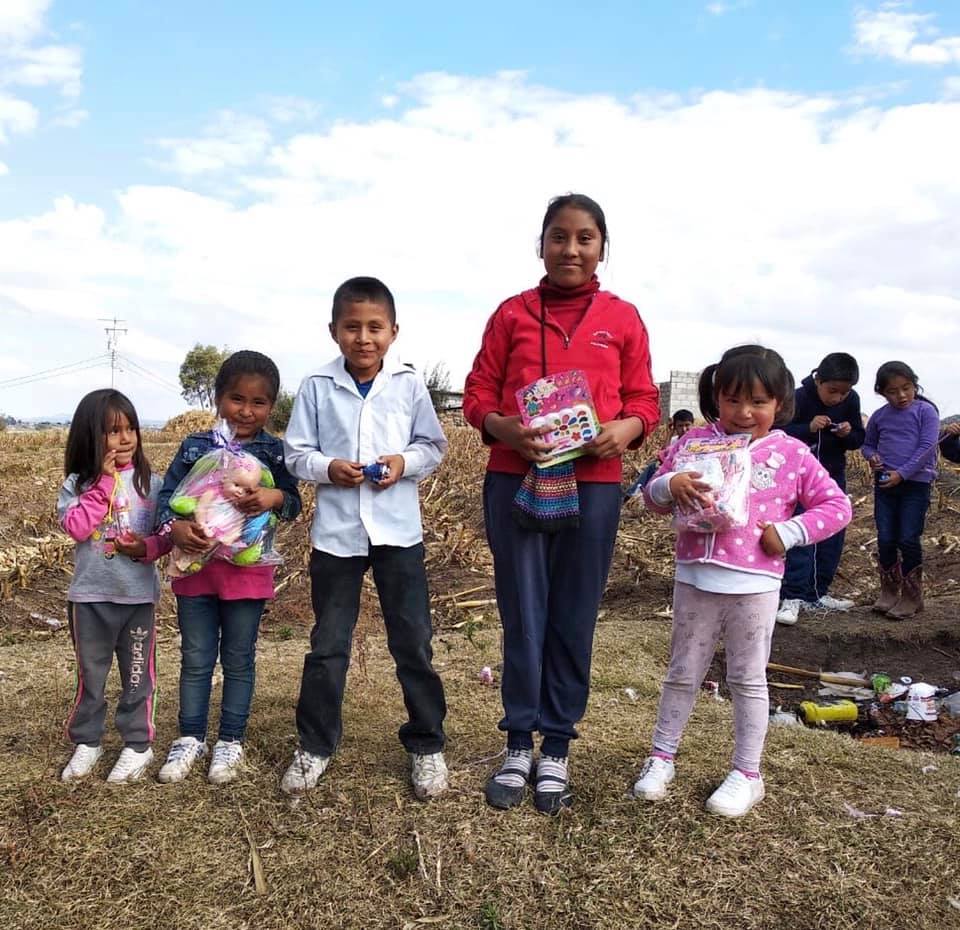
{"points": [[183, 753], [789, 612], [736, 795], [82, 761], [833, 603], [651, 783], [226, 761], [131, 765], [304, 772], [428, 772]]}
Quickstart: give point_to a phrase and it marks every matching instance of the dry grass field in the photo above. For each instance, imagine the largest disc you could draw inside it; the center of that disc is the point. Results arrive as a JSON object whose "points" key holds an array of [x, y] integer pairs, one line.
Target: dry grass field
{"points": [[821, 851]]}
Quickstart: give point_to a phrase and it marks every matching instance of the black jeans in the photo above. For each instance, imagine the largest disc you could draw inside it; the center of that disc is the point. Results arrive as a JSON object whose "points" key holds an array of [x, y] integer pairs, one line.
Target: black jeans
{"points": [[900, 513], [401, 581]]}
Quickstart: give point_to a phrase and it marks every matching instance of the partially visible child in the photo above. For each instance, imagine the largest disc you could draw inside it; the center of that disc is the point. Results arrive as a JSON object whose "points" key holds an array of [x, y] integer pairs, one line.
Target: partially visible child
{"points": [[680, 422], [827, 418], [950, 442], [727, 583], [901, 447], [219, 607], [110, 493], [360, 409]]}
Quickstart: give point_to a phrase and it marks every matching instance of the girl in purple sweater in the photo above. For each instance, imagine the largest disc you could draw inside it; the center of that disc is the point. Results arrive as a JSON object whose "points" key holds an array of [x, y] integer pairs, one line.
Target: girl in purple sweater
{"points": [[901, 447], [728, 582]]}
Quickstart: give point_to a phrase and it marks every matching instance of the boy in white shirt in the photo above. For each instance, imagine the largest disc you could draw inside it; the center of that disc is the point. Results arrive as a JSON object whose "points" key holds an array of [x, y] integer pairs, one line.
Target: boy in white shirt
{"points": [[356, 411]]}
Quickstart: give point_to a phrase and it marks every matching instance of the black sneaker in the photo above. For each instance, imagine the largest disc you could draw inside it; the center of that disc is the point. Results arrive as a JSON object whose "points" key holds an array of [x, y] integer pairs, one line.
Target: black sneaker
{"points": [[501, 796], [551, 794]]}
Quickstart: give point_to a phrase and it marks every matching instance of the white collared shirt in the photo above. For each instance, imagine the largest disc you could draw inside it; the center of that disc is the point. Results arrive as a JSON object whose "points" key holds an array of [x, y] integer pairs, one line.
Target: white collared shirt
{"points": [[331, 420]]}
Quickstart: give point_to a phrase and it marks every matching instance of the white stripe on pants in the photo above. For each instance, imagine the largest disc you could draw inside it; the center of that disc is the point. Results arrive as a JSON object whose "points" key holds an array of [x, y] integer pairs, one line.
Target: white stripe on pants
{"points": [[746, 622]]}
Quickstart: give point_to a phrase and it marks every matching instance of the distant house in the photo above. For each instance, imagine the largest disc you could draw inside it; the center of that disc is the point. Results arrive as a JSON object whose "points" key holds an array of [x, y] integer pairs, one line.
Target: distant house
{"points": [[680, 393], [447, 400]]}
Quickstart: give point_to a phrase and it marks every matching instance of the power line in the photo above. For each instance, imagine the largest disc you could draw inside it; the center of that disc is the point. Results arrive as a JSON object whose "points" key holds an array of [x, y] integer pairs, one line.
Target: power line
{"points": [[56, 372], [146, 372]]}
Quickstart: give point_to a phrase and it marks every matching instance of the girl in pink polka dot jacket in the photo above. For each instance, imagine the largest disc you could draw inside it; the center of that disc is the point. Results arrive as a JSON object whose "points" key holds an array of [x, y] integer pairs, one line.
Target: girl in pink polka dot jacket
{"points": [[728, 583]]}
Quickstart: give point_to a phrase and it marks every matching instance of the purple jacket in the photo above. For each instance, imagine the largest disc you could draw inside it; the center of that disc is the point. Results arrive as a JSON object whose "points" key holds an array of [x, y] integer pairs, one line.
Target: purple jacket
{"points": [[905, 440]]}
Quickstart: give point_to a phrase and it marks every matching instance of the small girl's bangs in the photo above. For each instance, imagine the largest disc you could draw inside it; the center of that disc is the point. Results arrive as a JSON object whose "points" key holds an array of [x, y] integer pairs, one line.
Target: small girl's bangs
{"points": [[117, 407], [740, 375]]}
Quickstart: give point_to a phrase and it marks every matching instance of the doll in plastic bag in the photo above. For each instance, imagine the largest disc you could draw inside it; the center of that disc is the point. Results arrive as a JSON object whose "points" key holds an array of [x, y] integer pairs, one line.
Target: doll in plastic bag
{"points": [[723, 462], [208, 494]]}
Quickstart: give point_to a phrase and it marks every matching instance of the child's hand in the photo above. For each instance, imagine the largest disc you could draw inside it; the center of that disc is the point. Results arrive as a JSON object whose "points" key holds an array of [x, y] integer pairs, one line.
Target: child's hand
{"points": [[893, 479], [687, 492], [109, 463], [875, 462], [843, 430], [819, 423], [770, 541], [130, 545], [259, 500], [613, 440], [952, 429], [345, 474], [527, 442], [396, 464], [188, 536]]}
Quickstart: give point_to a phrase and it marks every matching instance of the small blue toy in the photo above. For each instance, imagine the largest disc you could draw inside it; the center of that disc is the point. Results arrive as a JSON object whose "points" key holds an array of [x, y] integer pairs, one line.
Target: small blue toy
{"points": [[376, 472]]}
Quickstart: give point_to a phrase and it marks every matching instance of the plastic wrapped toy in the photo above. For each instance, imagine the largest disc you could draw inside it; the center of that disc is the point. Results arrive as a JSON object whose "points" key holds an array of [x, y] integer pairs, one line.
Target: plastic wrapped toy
{"points": [[723, 462], [209, 494], [561, 401], [376, 472]]}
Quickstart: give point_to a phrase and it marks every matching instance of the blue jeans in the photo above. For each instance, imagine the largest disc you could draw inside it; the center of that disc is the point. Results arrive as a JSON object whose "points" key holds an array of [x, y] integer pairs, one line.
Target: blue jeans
{"points": [[899, 513], [208, 626]]}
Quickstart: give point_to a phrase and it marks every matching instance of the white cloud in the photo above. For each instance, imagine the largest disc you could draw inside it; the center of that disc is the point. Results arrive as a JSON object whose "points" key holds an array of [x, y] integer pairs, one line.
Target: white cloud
{"points": [[3, 169], [721, 7], [814, 223], [20, 20], [44, 65], [891, 31], [16, 116], [233, 140]]}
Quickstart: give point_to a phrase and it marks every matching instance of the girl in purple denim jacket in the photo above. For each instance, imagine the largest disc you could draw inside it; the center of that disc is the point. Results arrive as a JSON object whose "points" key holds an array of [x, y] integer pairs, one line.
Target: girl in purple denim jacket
{"points": [[727, 583]]}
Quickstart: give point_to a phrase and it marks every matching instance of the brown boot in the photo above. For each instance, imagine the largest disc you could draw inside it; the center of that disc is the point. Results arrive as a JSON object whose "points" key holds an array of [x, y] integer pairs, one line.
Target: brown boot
{"points": [[911, 600], [890, 579]]}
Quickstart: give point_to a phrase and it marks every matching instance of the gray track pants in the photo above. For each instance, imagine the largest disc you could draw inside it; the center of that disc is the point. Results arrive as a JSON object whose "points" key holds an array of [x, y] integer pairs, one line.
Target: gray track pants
{"points": [[100, 631]]}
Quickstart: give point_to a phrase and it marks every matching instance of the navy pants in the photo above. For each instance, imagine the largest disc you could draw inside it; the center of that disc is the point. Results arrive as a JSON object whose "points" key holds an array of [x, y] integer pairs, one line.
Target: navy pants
{"points": [[810, 570], [401, 581], [548, 590], [900, 513]]}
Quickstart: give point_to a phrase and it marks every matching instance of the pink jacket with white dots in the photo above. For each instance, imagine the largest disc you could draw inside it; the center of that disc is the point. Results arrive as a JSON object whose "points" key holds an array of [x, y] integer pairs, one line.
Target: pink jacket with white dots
{"points": [[783, 472]]}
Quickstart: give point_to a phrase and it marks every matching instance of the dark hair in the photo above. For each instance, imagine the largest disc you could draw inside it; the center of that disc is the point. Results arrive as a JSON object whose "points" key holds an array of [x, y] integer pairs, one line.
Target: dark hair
{"points": [[576, 202], [91, 422], [838, 366], [682, 415], [357, 290], [889, 370], [247, 362], [737, 370]]}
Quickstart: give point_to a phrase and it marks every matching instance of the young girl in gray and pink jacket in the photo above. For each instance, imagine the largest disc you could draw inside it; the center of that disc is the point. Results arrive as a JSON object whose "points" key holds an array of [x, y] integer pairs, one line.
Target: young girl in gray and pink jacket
{"points": [[727, 583]]}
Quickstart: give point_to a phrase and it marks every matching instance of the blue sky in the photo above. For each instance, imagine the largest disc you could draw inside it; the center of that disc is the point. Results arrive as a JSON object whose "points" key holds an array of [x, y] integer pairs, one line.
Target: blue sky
{"points": [[771, 170]]}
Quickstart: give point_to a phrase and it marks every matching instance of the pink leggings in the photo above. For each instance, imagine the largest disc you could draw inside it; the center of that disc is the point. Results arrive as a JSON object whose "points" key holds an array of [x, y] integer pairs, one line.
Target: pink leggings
{"points": [[746, 623]]}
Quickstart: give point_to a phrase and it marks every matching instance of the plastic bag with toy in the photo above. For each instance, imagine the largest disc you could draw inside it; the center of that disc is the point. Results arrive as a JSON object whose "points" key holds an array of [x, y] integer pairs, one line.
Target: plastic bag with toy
{"points": [[209, 494], [723, 462]]}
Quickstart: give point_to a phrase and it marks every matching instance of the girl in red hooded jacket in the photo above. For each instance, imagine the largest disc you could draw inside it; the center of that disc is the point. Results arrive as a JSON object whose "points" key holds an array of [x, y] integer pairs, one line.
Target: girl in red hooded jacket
{"points": [[551, 570]]}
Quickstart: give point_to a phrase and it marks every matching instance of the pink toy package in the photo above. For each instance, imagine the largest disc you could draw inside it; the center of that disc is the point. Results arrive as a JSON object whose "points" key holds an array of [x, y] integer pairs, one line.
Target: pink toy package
{"points": [[563, 402], [723, 462]]}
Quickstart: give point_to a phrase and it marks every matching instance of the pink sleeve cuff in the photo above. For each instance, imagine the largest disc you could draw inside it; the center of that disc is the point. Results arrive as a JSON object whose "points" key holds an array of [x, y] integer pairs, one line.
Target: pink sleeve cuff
{"points": [[156, 547]]}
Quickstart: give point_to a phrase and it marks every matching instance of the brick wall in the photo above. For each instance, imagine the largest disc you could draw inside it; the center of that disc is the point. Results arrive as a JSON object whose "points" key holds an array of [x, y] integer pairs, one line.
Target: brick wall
{"points": [[680, 392]]}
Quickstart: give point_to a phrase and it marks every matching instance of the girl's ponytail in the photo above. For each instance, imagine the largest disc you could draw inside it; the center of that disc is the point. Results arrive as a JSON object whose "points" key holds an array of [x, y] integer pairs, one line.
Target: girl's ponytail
{"points": [[708, 396]]}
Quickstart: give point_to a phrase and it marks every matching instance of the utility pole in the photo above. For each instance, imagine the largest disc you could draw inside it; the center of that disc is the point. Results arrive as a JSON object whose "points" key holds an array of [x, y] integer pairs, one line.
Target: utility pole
{"points": [[113, 333]]}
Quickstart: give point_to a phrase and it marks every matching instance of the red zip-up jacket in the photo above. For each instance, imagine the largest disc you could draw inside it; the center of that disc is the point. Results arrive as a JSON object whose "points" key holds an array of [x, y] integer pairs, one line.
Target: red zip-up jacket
{"points": [[609, 344]]}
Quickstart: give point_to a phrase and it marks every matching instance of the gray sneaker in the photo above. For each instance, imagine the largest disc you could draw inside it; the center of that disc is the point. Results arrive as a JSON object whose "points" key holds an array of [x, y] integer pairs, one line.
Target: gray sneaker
{"points": [[304, 772], [183, 753], [428, 772]]}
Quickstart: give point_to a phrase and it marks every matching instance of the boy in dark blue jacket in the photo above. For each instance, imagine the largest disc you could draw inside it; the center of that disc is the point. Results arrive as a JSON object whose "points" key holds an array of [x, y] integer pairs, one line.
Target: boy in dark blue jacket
{"points": [[827, 418], [950, 442]]}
